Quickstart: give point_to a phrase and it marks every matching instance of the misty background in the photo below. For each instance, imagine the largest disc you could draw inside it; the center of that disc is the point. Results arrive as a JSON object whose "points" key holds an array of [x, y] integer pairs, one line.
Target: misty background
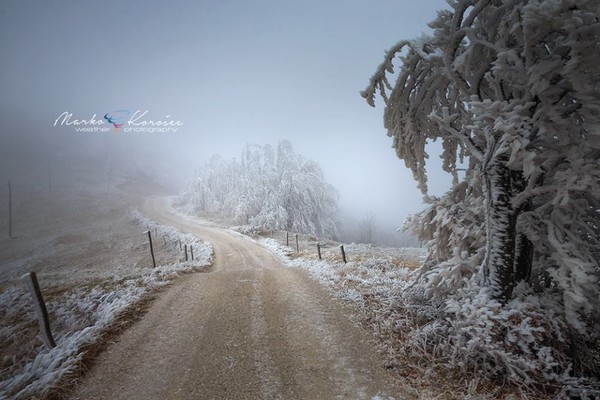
{"points": [[234, 72]]}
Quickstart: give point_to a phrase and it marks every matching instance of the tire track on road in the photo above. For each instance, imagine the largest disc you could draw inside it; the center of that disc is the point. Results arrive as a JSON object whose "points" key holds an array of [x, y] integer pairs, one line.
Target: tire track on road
{"points": [[249, 328]]}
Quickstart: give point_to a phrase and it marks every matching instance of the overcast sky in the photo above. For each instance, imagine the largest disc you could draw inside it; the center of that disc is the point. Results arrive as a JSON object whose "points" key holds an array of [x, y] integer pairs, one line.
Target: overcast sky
{"points": [[233, 71]]}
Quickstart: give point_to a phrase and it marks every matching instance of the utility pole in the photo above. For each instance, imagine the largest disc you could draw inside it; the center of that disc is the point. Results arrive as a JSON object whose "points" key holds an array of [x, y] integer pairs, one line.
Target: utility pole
{"points": [[9, 210], [49, 176]]}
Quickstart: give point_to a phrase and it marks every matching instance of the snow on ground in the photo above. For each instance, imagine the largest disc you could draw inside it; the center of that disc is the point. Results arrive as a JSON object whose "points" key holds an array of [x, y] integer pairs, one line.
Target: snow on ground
{"points": [[80, 316]]}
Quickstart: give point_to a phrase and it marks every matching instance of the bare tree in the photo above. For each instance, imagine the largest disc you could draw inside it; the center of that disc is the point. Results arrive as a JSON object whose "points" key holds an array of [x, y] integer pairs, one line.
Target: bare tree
{"points": [[368, 229]]}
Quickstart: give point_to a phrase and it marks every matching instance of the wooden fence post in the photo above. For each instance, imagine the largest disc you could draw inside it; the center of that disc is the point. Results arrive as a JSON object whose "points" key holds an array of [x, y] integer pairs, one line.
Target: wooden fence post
{"points": [[40, 308], [185, 250], [151, 249], [192, 252], [287, 239], [297, 245], [343, 253], [319, 249]]}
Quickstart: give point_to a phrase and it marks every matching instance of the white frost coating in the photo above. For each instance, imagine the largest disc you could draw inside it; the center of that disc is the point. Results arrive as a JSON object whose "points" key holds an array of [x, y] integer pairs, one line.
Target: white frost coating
{"points": [[354, 279], [80, 318], [469, 333], [511, 89], [267, 191]]}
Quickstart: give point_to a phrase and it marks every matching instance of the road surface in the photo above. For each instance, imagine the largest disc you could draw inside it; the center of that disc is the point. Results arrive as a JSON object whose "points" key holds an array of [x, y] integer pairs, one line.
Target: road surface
{"points": [[249, 328]]}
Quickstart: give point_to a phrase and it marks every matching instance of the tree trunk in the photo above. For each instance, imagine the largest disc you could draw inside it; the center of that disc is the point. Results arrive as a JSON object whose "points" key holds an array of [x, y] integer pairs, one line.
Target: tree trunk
{"points": [[523, 259], [524, 247], [499, 262]]}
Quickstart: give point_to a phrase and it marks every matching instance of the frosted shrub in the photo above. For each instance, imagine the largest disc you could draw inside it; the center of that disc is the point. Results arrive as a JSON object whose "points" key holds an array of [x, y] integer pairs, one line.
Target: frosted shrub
{"points": [[477, 339]]}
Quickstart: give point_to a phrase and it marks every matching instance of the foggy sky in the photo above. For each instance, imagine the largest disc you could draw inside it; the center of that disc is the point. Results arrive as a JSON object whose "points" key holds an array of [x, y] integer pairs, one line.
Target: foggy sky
{"points": [[234, 72]]}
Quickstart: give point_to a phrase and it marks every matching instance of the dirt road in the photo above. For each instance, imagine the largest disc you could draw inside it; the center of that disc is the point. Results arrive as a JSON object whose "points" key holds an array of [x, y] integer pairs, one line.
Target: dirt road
{"points": [[249, 328]]}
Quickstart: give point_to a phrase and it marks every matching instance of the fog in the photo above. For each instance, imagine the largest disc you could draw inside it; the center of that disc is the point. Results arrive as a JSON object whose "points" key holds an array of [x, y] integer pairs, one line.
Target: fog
{"points": [[230, 72]]}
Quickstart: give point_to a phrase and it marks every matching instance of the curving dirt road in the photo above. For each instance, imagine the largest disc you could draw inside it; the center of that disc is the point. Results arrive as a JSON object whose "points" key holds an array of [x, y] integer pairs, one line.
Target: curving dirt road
{"points": [[249, 328]]}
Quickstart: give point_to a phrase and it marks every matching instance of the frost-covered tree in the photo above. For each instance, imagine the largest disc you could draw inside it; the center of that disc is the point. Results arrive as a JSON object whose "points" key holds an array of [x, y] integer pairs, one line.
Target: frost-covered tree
{"points": [[268, 190], [512, 91], [367, 229], [214, 183]]}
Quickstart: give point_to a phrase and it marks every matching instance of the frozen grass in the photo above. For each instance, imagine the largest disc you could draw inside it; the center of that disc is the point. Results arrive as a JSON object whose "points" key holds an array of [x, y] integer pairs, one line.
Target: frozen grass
{"points": [[463, 346], [80, 317], [451, 349]]}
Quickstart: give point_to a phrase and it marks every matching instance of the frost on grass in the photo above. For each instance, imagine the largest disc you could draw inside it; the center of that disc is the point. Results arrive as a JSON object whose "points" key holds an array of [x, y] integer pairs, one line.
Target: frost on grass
{"points": [[79, 317], [468, 341]]}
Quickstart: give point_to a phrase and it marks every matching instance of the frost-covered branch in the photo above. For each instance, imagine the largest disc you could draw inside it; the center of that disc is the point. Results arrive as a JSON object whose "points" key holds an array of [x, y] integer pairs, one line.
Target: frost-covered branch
{"points": [[513, 88], [268, 191]]}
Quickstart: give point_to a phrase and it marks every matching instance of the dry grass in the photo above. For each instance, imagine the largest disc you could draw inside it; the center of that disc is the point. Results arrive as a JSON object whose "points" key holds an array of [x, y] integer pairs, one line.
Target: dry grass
{"points": [[124, 320], [77, 237], [372, 282]]}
